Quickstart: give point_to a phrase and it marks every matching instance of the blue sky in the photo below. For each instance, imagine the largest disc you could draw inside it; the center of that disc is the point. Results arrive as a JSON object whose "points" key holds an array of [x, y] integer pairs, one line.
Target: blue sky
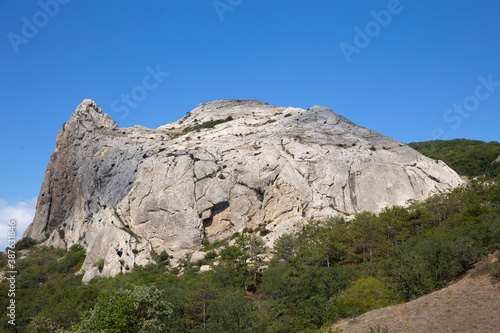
{"points": [[411, 70]]}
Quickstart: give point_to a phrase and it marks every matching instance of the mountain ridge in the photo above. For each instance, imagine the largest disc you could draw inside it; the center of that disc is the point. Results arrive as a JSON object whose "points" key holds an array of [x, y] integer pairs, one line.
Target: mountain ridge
{"points": [[227, 165]]}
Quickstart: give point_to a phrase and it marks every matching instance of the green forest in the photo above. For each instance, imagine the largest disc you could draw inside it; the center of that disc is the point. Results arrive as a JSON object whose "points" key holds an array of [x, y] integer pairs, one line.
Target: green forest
{"points": [[469, 158], [333, 269]]}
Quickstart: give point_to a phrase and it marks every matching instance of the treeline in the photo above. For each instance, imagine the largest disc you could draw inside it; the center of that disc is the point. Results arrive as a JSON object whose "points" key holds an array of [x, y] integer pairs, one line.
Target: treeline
{"points": [[470, 158], [333, 269]]}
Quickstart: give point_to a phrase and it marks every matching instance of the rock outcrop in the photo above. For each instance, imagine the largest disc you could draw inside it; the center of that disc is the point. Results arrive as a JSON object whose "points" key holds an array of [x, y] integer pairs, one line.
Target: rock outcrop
{"points": [[225, 166]]}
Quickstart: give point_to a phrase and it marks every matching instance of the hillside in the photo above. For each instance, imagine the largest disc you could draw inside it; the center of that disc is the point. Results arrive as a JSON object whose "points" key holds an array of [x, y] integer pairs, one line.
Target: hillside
{"points": [[332, 269], [469, 158], [470, 305], [125, 194]]}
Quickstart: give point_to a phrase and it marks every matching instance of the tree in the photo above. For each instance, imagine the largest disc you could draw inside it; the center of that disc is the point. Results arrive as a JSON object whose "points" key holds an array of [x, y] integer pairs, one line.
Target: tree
{"points": [[427, 263], [200, 297], [142, 309], [367, 232], [254, 247], [231, 312], [284, 247], [320, 244]]}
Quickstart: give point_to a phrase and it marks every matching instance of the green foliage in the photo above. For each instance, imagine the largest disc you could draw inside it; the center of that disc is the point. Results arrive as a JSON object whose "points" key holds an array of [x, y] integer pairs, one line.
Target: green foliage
{"points": [[211, 255], [48, 293], [142, 309], [25, 243], [207, 124], [260, 193], [231, 252], [198, 300], [495, 267], [72, 261], [365, 294], [378, 329], [495, 270], [322, 244], [164, 257], [332, 269], [231, 311], [427, 264], [100, 265], [302, 292], [467, 157], [284, 247]]}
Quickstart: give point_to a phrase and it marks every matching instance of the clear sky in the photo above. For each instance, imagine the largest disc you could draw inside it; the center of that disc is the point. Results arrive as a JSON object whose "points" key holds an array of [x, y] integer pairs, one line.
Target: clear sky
{"points": [[412, 70]]}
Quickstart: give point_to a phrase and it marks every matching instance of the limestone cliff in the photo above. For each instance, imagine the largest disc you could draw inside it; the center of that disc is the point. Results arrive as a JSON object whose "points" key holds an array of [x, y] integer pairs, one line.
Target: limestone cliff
{"points": [[227, 165]]}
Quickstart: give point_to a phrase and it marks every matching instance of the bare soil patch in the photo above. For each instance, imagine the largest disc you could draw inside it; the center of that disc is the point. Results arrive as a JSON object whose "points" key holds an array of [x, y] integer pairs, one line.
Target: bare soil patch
{"points": [[472, 304]]}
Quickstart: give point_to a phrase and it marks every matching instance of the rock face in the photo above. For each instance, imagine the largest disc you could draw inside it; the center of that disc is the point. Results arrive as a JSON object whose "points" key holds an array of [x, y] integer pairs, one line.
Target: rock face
{"points": [[227, 165]]}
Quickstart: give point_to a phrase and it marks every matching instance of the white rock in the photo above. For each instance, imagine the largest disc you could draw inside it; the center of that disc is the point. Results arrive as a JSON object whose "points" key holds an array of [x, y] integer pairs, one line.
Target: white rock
{"points": [[123, 192]]}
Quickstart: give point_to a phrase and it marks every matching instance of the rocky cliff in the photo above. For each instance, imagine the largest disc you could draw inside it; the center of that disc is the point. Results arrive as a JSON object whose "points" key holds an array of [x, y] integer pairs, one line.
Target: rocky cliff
{"points": [[227, 165]]}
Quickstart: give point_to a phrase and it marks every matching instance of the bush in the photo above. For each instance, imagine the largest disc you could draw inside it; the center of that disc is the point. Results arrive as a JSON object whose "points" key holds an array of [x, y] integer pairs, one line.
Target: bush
{"points": [[230, 252], [211, 255], [72, 261], [164, 257], [100, 265], [76, 248], [142, 309], [25, 243], [495, 267], [366, 294], [427, 265], [207, 124]]}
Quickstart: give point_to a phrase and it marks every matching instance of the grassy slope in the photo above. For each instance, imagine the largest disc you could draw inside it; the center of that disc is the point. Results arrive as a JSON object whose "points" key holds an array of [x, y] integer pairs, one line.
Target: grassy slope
{"points": [[469, 305]]}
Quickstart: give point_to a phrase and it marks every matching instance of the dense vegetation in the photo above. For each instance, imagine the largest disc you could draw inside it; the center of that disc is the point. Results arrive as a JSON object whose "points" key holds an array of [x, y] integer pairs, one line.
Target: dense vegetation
{"points": [[467, 157], [333, 269]]}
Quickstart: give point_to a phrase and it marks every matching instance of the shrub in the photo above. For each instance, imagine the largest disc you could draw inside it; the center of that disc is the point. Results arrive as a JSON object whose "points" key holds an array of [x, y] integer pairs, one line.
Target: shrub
{"points": [[142, 309], [211, 255], [100, 265], [207, 124], [230, 252], [76, 248], [366, 294], [429, 264], [495, 267], [164, 257], [25, 243]]}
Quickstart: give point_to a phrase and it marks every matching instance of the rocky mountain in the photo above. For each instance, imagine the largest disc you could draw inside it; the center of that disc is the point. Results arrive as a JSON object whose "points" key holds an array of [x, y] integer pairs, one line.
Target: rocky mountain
{"points": [[227, 165]]}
